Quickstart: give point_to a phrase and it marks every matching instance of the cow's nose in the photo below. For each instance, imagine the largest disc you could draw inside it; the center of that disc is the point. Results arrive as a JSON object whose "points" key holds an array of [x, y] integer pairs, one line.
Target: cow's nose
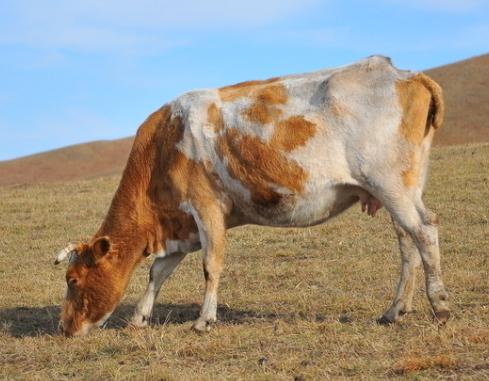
{"points": [[62, 330]]}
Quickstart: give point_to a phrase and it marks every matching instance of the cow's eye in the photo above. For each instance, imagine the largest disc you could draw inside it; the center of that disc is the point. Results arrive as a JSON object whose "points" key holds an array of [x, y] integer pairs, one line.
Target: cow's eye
{"points": [[72, 282]]}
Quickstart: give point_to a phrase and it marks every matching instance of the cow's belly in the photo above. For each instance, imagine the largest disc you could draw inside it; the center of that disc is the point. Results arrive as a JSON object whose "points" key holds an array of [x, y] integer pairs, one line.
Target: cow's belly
{"points": [[297, 210]]}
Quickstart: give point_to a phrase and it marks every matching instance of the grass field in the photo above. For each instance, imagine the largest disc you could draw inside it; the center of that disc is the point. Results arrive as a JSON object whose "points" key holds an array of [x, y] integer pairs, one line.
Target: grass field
{"points": [[294, 303]]}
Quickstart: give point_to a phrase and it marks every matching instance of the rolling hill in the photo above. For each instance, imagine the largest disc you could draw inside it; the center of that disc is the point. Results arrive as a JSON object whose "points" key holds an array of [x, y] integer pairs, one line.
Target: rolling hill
{"points": [[81, 161], [466, 89], [465, 85]]}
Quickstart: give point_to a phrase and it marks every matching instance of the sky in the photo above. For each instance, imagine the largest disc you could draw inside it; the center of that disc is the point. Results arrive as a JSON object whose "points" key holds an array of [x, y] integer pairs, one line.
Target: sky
{"points": [[77, 71]]}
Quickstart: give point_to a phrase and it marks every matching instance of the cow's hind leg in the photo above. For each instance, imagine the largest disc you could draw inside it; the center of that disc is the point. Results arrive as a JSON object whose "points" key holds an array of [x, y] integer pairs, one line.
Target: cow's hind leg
{"points": [[421, 224], [410, 261], [211, 223], [160, 270]]}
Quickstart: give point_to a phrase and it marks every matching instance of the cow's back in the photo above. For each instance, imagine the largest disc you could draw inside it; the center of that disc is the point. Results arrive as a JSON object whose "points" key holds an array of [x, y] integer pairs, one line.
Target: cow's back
{"points": [[286, 145]]}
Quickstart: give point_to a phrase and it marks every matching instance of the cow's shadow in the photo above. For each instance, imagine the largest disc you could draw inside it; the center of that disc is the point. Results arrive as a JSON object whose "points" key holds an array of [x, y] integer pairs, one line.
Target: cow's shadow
{"points": [[29, 321], [40, 321]]}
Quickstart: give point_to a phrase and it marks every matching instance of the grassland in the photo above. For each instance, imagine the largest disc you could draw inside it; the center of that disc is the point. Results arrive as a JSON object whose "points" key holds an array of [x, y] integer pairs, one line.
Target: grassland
{"points": [[295, 303]]}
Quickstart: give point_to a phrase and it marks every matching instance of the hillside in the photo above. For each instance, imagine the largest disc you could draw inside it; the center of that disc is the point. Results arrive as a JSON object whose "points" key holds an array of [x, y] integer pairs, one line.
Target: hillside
{"points": [[81, 161], [465, 85], [466, 89]]}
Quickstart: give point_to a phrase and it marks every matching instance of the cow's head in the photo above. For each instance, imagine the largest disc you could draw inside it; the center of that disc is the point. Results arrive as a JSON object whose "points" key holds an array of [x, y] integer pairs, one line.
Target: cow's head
{"points": [[95, 285]]}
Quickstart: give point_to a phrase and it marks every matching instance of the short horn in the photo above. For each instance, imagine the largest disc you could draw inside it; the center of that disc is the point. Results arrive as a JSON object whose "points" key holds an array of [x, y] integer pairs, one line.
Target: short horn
{"points": [[63, 254]]}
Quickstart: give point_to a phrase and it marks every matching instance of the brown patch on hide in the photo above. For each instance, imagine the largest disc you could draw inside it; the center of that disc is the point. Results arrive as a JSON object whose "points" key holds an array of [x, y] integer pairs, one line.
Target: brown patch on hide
{"points": [[260, 113], [292, 132], [242, 89], [171, 180], [265, 98], [422, 106], [414, 99], [259, 167], [409, 178], [410, 175], [271, 94], [214, 117]]}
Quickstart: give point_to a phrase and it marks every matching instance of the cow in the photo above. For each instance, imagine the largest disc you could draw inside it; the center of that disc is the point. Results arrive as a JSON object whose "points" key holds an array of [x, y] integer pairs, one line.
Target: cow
{"points": [[291, 151]]}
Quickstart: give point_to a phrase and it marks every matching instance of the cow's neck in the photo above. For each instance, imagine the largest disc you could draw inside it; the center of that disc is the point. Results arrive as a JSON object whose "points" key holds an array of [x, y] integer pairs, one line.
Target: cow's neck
{"points": [[136, 219], [131, 223]]}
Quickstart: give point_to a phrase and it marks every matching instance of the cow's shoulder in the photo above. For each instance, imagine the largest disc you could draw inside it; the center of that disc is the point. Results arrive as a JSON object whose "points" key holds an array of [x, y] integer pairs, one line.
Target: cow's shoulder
{"points": [[267, 88], [190, 102]]}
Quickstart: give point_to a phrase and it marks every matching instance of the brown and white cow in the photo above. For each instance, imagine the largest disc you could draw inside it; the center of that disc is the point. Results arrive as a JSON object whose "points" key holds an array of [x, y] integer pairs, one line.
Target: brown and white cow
{"points": [[288, 151]]}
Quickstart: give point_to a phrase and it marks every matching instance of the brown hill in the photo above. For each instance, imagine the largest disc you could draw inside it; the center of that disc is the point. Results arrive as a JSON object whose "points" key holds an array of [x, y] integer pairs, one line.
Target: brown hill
{"points": [[81, 161], [466, 89]]}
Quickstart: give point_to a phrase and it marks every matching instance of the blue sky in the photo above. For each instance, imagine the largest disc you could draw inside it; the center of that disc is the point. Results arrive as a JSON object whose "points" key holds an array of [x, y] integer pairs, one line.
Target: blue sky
{"points": [[76, 71]]}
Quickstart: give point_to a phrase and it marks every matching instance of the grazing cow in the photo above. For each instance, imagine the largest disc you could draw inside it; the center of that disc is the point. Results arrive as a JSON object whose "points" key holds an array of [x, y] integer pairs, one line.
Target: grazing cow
{"points": [[288, 151]]}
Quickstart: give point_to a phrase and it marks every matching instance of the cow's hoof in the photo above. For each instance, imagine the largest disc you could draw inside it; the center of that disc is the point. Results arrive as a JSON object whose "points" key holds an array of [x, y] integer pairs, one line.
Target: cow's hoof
{"points": [[140, 321], [384, 320], [441, 317], [202, 326]]}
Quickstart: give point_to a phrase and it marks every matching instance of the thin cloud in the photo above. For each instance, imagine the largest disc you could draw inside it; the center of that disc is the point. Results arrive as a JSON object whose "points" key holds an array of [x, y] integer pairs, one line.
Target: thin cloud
{"points": [[128, 26], [471, 37], [442, 5], [312, 37]]}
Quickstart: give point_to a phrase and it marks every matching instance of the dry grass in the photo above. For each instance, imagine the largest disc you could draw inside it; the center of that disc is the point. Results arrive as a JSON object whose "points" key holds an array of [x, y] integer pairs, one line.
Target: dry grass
{"points": [[295, 303]]}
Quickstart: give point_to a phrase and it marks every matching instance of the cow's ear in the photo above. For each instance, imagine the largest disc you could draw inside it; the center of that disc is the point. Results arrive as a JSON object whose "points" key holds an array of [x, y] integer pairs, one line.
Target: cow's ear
{"points": [[100, 247]]}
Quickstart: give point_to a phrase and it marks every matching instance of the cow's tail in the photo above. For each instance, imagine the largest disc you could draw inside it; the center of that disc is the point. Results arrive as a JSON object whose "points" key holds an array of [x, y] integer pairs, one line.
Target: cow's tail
{"points": [[436, 113]]}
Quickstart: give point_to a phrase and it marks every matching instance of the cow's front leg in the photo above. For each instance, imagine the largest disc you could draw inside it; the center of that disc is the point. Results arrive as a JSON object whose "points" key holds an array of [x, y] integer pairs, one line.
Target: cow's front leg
{"points": [[161, 269], [212, 231], [411, 260]]}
